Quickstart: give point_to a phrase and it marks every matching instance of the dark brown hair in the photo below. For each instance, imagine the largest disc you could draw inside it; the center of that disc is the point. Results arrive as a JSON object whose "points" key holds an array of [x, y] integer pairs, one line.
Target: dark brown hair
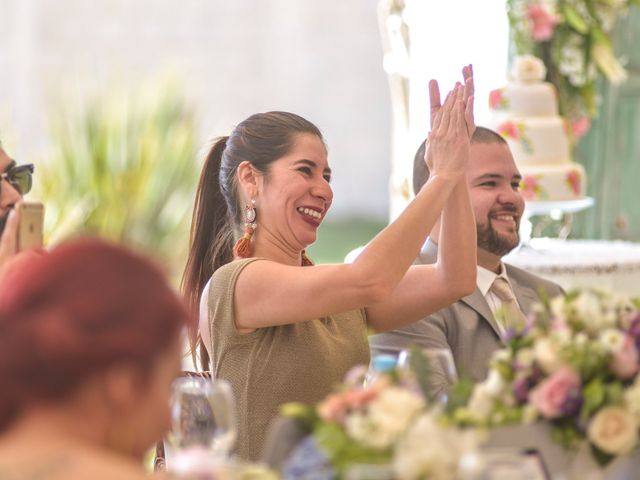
{"points": [[261, 139], [74, 312], [420, 170]]}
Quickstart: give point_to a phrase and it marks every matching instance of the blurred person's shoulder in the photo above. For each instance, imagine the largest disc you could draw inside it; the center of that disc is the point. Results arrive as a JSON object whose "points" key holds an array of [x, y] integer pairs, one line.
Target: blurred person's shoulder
{"points": [[29, 462]]}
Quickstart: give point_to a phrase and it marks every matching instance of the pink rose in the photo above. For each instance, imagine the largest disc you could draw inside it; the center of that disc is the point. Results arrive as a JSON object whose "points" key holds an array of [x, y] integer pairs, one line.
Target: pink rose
{"points": [[580, 127], [333, 409], [557, 395], [336, 406], [542, 21], [624, 363]]}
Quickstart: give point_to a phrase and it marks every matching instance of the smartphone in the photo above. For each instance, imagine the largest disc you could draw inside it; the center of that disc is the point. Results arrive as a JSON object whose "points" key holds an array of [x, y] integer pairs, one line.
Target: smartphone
{"points": [[31, 225]]}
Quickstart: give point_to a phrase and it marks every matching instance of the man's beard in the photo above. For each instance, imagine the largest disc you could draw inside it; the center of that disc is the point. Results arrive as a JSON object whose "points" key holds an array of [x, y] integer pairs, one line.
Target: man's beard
{"points": [[491, 241]]}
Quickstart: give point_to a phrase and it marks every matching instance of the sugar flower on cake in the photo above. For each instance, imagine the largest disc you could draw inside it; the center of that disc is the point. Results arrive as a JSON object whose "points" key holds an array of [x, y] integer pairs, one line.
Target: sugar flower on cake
{"points": [[516, 131], [573, 181], [497, 100], [509, 130], [527, 68], [530, 187]]}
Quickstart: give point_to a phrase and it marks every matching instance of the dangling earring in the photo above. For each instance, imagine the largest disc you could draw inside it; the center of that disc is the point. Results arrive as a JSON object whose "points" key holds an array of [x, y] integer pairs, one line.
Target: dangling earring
{"points": [[242, 248]]}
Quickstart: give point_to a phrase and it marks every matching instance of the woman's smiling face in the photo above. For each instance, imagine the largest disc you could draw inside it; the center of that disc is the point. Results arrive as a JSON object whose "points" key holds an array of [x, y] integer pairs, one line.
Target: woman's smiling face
{"points": [[294, 197]]}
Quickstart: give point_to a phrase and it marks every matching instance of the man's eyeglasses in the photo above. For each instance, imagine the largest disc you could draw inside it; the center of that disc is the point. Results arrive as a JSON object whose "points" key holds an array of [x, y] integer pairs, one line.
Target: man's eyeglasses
{"points": [[19, 177]]}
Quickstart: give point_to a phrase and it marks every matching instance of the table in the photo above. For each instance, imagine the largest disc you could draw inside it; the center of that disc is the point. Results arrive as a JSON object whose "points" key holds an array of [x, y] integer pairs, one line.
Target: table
{"points": [[613, 264]]}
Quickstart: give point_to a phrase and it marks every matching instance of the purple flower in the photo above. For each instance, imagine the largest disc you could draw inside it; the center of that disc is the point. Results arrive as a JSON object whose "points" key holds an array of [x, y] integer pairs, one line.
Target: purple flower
{"points": [[308, 461], [573, 403], [521, 389], [634, 330]]}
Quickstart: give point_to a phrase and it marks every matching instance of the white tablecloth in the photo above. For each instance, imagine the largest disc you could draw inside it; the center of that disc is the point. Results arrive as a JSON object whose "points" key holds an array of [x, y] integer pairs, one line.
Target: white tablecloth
{"points": [[582, 263]]}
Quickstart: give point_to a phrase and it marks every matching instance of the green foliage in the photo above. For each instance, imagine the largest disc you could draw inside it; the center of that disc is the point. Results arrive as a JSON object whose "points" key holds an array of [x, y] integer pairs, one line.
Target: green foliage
{"points": [[578, 51], [593, 395], [305, 415], [459, 394], [421, 369], [124, 168], [344, 451], [601, 457], [565, 434]]}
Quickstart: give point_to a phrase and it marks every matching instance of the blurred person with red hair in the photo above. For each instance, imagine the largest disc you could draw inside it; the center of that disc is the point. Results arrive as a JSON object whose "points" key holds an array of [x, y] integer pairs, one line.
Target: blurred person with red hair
{"points": [[89, 346]]}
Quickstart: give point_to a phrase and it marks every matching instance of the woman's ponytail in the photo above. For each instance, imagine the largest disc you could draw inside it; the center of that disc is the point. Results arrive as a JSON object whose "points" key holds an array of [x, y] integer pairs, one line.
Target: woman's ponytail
{"points": [[211, 239]]}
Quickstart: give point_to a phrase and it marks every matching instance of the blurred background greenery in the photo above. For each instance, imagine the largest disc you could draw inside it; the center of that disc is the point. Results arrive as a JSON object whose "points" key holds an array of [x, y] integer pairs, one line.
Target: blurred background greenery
{"points": [[124, 167], [337, 238]]}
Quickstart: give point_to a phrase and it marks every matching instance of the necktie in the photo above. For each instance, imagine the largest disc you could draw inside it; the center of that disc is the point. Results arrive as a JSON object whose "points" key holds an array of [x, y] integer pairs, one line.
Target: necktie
{"points": [[512, 316]]}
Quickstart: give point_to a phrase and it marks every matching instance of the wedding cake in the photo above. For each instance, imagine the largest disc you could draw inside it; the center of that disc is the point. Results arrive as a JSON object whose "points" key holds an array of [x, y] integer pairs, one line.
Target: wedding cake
{"points": [[525, 113]]}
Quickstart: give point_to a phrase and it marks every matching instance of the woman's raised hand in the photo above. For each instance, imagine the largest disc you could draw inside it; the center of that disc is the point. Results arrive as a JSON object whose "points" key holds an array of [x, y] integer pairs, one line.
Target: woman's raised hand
{"points": [[467, 75], [434, 98], [448, 152]]}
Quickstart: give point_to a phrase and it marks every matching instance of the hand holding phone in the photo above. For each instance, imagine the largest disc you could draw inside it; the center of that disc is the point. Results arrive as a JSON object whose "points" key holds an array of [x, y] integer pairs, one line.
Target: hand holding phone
{"points": [[31, 216]]}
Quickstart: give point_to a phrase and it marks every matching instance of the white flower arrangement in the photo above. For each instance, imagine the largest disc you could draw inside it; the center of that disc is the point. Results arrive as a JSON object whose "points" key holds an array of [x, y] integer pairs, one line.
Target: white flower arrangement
{"points": [[387, 423], [412, 461], [575, 366]]}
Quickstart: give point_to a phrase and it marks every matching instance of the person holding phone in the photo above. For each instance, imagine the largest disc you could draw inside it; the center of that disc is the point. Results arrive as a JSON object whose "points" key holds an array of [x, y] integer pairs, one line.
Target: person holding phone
{"points": [[280, 329], [15, 182]]}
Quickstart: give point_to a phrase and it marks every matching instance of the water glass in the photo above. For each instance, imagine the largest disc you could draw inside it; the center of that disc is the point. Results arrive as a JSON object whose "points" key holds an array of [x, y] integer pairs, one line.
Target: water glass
{"points": [[203, 425], [441, 369]]}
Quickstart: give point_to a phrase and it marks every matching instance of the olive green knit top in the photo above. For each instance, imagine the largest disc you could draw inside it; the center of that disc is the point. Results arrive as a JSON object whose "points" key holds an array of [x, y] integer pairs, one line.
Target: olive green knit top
{"points": [[299, 362]]}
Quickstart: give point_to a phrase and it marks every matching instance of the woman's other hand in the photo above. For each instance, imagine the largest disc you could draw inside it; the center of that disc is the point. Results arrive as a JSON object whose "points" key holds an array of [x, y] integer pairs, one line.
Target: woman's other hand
{"points": [[467, 75], [448, 152]]}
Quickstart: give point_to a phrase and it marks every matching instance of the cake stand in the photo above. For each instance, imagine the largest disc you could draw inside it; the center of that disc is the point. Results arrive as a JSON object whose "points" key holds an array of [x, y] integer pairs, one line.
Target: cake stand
{"points": [[553, 211]]}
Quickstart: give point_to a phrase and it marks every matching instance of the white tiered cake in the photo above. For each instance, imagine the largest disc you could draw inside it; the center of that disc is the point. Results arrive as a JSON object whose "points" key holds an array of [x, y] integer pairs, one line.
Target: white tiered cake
{"points": [[525, 113]]}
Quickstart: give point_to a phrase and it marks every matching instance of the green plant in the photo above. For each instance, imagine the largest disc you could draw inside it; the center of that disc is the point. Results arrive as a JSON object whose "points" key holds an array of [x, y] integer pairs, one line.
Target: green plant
{"points": [[573, 39], [124, 167]]}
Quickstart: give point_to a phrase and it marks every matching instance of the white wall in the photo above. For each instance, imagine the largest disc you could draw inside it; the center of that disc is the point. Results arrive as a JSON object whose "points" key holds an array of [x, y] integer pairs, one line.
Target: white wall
{"points": [[321, 59]]}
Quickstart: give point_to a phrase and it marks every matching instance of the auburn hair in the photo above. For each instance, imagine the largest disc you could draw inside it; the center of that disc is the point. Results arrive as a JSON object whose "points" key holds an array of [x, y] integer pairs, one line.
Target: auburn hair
{"points": [[76, 311]]}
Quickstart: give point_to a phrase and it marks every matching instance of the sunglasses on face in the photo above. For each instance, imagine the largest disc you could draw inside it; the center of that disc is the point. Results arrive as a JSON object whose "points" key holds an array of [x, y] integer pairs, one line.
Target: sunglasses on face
{"points": [[19, 177]]}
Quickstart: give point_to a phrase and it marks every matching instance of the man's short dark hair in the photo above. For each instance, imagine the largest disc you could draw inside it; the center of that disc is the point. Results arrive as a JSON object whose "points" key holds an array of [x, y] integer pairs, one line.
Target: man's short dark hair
{"points": [[420, 170]]}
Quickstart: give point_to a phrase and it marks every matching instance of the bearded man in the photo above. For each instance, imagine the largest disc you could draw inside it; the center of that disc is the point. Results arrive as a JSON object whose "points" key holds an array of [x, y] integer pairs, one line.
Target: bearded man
{"points": [[475, 326]]}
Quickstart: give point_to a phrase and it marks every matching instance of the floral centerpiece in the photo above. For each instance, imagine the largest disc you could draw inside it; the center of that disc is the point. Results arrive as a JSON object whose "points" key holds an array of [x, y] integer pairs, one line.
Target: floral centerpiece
{"points": [[389, 425], [574, 365], [572, 37]]}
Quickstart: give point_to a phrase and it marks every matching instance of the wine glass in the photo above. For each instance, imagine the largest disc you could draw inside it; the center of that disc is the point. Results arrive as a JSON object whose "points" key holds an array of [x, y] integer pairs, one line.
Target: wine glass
{"points": [[441, 369], [203, 425]]}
